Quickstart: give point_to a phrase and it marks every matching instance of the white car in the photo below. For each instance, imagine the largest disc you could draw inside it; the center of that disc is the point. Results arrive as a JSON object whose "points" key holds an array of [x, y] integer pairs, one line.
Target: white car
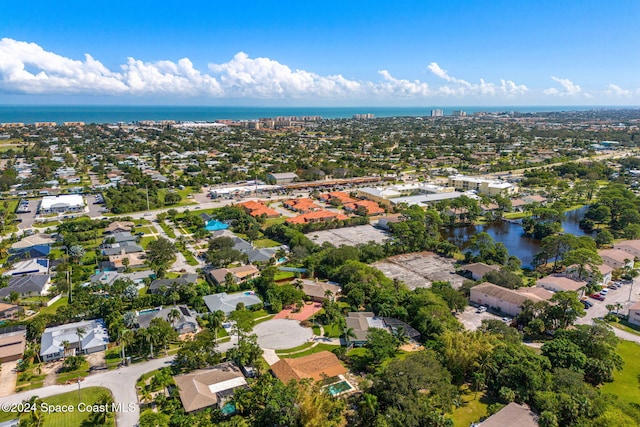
{"points": [[604, 291]]}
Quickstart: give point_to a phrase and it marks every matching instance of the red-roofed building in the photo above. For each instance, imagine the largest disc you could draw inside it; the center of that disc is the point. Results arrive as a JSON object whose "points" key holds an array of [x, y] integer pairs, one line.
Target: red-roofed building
{"points": [[364, 206], [316, 216], [337, 198], [256, 209], [301, 205]]}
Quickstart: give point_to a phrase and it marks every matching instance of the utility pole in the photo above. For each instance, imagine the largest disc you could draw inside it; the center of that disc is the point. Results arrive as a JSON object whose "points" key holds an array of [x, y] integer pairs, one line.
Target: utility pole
{"points": [[147, 190]]}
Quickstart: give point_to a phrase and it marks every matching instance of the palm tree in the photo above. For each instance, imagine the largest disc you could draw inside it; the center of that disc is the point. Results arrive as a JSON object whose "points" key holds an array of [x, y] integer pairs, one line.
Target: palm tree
{"points": [[65, 347], [173, 315], [328, 294], [348, 333], [215, 322], [80, 331], [126, 338], [150, 338]]}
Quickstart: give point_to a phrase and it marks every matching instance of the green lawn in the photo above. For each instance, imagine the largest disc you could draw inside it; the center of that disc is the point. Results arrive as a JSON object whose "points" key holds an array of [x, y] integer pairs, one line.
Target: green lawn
{"points": [[168, 230], [332, 331], [293, 349], [283, 275], [472, 409], [265, 243], [271, 221], [144, 242], [81, 372], [316, 349], [88, 396], [626, 383], [55, 306]]}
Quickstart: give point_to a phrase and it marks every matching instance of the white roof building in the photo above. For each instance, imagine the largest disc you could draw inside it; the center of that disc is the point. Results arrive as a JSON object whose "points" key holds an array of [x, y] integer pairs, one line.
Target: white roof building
{"points": [[94, 339], [65, 202]]}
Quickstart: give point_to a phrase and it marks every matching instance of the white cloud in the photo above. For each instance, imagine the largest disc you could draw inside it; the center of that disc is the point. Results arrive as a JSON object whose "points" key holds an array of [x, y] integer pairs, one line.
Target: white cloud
{"points": [[570, 88], [506, 88], [615, 90], [27, 68]]}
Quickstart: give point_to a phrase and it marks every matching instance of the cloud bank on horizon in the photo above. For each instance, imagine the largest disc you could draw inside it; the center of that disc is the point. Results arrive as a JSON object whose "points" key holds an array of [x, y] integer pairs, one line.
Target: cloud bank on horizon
{"points": [[28, 69]]}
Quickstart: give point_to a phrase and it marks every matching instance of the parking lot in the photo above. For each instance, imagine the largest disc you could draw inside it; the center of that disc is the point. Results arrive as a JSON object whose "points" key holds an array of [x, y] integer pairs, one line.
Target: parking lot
{"points": [[349, 235], [472, 320], [420, 269], [626, 295]]}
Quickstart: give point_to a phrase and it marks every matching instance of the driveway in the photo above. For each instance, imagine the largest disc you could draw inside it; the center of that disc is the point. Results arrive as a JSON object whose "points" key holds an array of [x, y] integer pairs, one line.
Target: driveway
{"points": [[278, 334], [8, 378]]}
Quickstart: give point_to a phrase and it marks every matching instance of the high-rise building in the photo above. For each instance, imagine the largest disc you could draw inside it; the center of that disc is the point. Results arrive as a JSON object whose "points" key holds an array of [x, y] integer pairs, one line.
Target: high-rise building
{"points": [[437, 113]]}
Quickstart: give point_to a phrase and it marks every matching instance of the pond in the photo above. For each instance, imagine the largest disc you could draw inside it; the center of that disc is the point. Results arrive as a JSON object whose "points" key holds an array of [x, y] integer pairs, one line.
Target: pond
{"points": [[510, 234]]}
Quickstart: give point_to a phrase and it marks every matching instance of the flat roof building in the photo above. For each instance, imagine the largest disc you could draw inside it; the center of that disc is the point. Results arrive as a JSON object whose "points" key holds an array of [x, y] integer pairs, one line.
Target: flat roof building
{"points": [[62, 203]]}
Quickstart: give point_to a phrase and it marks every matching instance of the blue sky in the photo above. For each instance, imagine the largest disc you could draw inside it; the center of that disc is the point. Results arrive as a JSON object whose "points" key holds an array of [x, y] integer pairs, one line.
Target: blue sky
{"points": [[321, 53]]}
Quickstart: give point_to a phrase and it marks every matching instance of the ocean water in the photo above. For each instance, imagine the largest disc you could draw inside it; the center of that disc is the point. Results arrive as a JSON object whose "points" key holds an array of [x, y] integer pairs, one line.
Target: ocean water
{"points": [[128, 114]]}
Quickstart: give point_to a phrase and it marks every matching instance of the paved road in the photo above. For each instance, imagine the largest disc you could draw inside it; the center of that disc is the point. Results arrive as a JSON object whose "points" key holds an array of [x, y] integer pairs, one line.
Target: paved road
{"points": [[121, 382]]}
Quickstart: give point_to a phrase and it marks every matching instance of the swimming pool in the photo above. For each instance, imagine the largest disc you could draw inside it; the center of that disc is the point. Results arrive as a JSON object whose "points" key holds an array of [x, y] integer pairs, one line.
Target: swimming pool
{"points": [[214, 225], [339, 387]]}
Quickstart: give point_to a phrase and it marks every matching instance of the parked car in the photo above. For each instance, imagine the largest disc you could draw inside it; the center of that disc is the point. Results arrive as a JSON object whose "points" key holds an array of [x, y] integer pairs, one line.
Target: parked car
{"points": [[481, 309], [587, 304], [597, 296], [604, 291]]}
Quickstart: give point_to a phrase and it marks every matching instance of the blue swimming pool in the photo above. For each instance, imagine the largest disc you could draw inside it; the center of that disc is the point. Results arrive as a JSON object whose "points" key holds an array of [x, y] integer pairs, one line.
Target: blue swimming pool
{"points": [[215, 225], [339, 387]]}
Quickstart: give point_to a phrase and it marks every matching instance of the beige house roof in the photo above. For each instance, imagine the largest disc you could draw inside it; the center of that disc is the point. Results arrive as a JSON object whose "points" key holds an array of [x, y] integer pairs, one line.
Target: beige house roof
{"points": [[512, 415], [480, 268], [205, 387], [513, 296], [615, 254], [315, 366], [119, 225], [33, 240], [318, 289], [562, 282], [12, 345], [631, 244]]}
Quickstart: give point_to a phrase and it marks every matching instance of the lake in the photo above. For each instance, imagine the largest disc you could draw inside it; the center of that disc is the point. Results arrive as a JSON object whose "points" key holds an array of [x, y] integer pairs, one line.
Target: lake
{"points": [[510, 234]]}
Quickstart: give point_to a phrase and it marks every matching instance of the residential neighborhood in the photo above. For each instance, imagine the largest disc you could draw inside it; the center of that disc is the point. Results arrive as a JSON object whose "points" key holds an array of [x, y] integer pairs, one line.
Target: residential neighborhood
{"points": [[208, 281]]}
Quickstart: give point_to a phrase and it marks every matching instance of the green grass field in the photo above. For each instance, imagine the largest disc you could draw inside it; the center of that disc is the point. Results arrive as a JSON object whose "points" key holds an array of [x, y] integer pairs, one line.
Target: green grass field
{"points": [[471, 410], [88, 396], [626, 383], [265, 243], [313, 350]]}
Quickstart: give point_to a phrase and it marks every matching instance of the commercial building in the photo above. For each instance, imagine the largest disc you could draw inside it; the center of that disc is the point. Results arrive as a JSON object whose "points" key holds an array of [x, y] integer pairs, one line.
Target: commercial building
{"points": [[508, 301], [85, 337], [281, 178], [478, 270], [489, 187], [62, 204]]}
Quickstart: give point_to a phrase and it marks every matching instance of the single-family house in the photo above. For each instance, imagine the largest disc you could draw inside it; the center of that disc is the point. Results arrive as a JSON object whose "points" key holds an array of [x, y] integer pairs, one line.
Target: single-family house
{"points": [[514, 414], [227, 303], [218, 276], [360, 322], [318, 366], [10, 311], [319, 291], [209, 388], [30, 266], [119, 227], [86, 337], [27, 286], [160, 286], [13, 341], [184, 324]]}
